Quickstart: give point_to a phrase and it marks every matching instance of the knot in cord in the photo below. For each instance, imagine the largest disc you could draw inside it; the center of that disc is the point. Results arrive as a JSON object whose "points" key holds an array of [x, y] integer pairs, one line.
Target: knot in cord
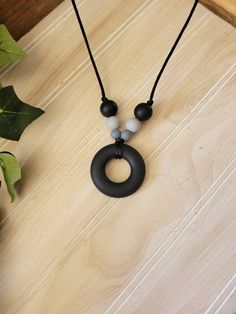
{"points": [[119, 148], [104, 98], [150, 102]]}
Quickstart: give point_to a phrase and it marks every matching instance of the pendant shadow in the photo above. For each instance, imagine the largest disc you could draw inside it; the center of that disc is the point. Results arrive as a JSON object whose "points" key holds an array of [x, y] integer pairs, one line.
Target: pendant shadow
{"points": [[27, 172]]}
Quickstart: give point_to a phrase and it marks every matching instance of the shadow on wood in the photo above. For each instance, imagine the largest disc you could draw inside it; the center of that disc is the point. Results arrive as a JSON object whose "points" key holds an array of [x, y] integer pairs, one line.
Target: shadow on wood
{"points": [[21, 16], [226, 9]]}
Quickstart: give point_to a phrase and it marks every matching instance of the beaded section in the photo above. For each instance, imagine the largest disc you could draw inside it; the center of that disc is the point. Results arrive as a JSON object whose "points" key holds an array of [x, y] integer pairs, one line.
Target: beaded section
{"points": [[115, 134], [126, 135], [133, 125], [113, 122]]}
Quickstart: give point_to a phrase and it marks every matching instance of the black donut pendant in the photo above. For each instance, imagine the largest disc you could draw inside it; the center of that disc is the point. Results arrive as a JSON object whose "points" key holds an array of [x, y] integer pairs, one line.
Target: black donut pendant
{"points": [[121, 189]]}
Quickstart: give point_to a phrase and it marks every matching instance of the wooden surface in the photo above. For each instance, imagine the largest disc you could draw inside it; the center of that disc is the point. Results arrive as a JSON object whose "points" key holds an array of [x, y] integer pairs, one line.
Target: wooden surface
{"points": [[169, 248], [21, 16], [224, 8]]}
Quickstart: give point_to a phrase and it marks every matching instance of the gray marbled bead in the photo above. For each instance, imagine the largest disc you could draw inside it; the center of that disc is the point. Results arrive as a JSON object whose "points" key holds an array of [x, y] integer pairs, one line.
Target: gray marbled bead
{"points": [[113, 122], [133, 125], [115, 134], [126, 135]]}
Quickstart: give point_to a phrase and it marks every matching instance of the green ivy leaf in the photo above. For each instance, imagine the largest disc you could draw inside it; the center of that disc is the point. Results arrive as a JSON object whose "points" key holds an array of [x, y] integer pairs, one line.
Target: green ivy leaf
{"points": [[9, 49], [1, 85], [15, 115], [11, 172]]}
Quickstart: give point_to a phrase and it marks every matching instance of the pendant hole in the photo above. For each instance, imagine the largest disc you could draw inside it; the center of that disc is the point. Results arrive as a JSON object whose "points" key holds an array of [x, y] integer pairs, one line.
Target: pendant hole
{"points": [[118, 170]]}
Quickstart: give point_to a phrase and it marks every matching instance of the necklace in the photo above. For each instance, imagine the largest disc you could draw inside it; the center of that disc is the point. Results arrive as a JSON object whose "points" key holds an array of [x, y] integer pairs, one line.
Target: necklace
{"points": [[119, 149]]}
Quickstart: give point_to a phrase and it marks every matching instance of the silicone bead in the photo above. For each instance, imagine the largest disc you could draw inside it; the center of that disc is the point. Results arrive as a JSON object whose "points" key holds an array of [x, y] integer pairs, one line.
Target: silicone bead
{"points": [[115, 134], [113, 122], [126, 135], [133, 125], [143, 112], [108, 108]]}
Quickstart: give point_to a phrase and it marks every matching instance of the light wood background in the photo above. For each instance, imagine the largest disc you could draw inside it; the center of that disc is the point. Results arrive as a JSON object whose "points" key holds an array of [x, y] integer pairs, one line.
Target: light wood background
{"points": [[169, 248]]}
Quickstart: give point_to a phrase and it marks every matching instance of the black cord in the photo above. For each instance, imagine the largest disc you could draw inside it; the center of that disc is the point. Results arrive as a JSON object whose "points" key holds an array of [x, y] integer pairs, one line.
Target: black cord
{"points": [[150, 101], [89, 50]]}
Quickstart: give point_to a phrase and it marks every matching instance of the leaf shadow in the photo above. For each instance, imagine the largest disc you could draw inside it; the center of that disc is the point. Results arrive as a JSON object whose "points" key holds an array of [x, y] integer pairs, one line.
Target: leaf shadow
{"points": [[27, 171], [2, 221]]}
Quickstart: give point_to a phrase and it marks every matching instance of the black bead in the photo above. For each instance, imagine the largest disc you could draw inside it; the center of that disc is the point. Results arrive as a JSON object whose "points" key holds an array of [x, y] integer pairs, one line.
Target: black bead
{"points": [[143, 112], [108, 108]]}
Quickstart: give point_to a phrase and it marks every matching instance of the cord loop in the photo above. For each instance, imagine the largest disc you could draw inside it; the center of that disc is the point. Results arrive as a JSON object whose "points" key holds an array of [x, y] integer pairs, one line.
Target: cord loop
{"points": [[119, 148], [104, 98], [150, 102]]}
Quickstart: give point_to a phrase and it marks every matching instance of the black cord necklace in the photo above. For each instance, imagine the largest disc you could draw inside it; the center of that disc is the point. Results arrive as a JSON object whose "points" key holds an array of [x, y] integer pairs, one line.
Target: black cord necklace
{"points": [[109, 108]]}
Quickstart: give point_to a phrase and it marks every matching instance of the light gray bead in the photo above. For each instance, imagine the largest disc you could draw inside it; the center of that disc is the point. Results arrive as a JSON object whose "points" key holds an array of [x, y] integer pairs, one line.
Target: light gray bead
{"points": [[133, 125], [113, 122], [115, 134], [126, 135]]}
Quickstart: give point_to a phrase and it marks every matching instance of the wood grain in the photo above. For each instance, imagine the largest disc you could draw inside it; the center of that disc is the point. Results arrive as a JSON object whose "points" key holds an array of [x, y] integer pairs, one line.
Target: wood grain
{"points": [[66, 248], [21, 16], [224, 8], [189, 267]]}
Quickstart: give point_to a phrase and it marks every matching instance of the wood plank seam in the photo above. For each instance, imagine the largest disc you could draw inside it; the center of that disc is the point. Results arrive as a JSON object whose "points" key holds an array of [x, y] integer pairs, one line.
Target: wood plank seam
{"points": [[211, 98], [70, 14], [202, 187], [43, 35], [71, 252], [86, 63], [182, 232], [224, 302], [68, 251], [39, 39], [51, 27], [52, 268], [228, 284], [222, 78], [176, 232], [217, 84], [171, 263], [103, 47], [30, 47], [97, 52], [214, 90], [108, 42]]}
